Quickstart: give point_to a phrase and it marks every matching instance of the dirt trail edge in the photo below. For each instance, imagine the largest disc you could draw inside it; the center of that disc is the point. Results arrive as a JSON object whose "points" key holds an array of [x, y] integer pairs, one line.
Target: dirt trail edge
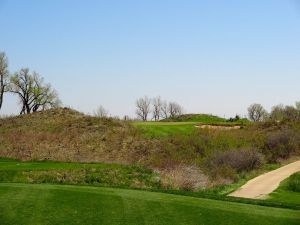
{"points": [[261, 186]]}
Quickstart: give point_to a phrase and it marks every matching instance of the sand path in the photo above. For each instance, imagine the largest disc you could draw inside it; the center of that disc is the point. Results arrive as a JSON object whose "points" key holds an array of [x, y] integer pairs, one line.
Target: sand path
{"points": [[261, 186]]}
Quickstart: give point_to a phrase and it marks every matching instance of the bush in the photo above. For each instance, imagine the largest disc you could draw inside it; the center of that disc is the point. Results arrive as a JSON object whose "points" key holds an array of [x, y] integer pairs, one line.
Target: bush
{"points": [[281, 145], [237, 160]]}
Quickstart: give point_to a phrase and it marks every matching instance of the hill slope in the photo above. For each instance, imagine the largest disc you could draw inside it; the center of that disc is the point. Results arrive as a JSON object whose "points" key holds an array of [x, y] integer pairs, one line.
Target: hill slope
{"points": [[66, 135], [201, 118]]}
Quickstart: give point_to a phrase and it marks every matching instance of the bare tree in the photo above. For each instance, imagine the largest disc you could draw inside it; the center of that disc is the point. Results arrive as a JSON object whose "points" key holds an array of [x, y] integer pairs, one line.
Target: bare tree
{"points": [[298, 106], [256, 112], [34, 95], [143, 108], [101, 112], [157, 108], [164, 110], [175, 109], [3, 76]]}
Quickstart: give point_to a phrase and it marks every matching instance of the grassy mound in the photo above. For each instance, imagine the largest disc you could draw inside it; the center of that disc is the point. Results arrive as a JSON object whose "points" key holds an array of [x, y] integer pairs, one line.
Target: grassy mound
{"points": [[65, 135], [53, 204], [288, 191], [199, 118]]}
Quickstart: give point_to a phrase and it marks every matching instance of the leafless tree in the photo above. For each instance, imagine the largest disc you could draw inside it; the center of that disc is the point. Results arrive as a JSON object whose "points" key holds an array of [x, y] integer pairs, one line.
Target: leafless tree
{"points": [[175, 109], [298, 106], [256, 112], [164, 110], [143, 108], [101, 112], [157, 108], [34, 95], [3, 76]]}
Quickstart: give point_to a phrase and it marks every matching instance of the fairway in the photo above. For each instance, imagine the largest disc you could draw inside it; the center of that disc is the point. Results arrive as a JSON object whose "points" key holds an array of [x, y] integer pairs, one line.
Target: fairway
{"points": [[54, 204], [162, 129]]}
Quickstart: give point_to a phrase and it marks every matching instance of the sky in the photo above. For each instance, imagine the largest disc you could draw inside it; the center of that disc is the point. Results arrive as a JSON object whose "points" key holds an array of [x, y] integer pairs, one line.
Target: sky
{"points": [[215, 57]]}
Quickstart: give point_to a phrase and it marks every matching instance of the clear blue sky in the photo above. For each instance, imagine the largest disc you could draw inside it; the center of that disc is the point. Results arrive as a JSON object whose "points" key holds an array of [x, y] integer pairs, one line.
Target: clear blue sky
{"points": [[210, 56]]}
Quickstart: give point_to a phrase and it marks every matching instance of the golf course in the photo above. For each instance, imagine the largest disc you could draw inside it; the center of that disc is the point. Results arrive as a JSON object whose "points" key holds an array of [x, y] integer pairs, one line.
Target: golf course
{"points": [[37, 193], [54, 204], [131, 112]]}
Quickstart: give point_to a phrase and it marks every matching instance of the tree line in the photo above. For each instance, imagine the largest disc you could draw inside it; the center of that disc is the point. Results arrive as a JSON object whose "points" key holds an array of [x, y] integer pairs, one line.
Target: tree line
{"points": [[256, 113], [33, 93], [156, 108]]}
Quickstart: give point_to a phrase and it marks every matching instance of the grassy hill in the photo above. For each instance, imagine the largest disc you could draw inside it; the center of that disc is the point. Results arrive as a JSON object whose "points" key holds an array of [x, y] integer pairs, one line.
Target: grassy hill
{"points": [[288, 191], [66, 135], [200, 118], [206, 119], [53, 204], [62, 147]]}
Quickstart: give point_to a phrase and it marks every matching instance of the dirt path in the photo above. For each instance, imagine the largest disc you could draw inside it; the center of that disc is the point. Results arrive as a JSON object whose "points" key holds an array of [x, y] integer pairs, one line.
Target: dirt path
{"points": [[261, 186]]}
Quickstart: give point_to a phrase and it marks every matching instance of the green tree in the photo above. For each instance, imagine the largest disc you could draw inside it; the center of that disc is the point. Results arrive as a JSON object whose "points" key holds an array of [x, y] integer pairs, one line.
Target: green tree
{"points": [[34, 95]]}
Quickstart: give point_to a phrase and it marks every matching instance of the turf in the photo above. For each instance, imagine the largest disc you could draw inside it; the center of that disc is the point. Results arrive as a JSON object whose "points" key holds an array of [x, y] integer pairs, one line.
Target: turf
{"points": [[54, 204], [288, 191], [202, 118], [162, 129]]}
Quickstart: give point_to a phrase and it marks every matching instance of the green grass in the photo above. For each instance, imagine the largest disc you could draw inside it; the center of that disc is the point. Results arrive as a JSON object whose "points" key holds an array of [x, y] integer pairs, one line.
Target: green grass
{"points": [[162, 129], [54, 204], [200, 118], [288, 191], [97, 174]]}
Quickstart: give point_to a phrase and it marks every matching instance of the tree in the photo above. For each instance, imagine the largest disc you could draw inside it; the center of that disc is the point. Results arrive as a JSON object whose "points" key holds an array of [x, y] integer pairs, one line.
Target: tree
{"points": [[34, 95], [157, 107], [101, 112], [256, 112], [277, 113], [3, 76], [298, 106], [143, 108], [174, 109], [164, 110], [291, 113]]}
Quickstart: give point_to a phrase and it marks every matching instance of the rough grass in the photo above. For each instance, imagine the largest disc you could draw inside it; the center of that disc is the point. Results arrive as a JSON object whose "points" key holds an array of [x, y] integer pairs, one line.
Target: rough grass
{"points": [[96, 174], [68, 136], [54, 204], [288, 191]]}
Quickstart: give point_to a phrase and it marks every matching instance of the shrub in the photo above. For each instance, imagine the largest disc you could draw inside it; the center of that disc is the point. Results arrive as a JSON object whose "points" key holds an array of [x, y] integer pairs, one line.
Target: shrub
{"points": [[223, 163], [281, 145]]}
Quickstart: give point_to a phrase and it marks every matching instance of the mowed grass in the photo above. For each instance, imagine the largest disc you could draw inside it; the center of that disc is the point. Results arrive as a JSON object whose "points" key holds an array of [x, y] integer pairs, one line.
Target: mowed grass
{"points": [[162, 129], [200, 118], [54, 204], [288, 191]]}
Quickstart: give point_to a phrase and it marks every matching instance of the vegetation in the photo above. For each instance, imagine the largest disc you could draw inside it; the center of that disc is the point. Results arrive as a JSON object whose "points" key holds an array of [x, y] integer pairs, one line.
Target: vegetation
{"points": [[53, 204], [200, 118], [34, 95], [164, 129], [100, 174], [210, 157], [158, 107], [288, 191], [3, 76]]}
